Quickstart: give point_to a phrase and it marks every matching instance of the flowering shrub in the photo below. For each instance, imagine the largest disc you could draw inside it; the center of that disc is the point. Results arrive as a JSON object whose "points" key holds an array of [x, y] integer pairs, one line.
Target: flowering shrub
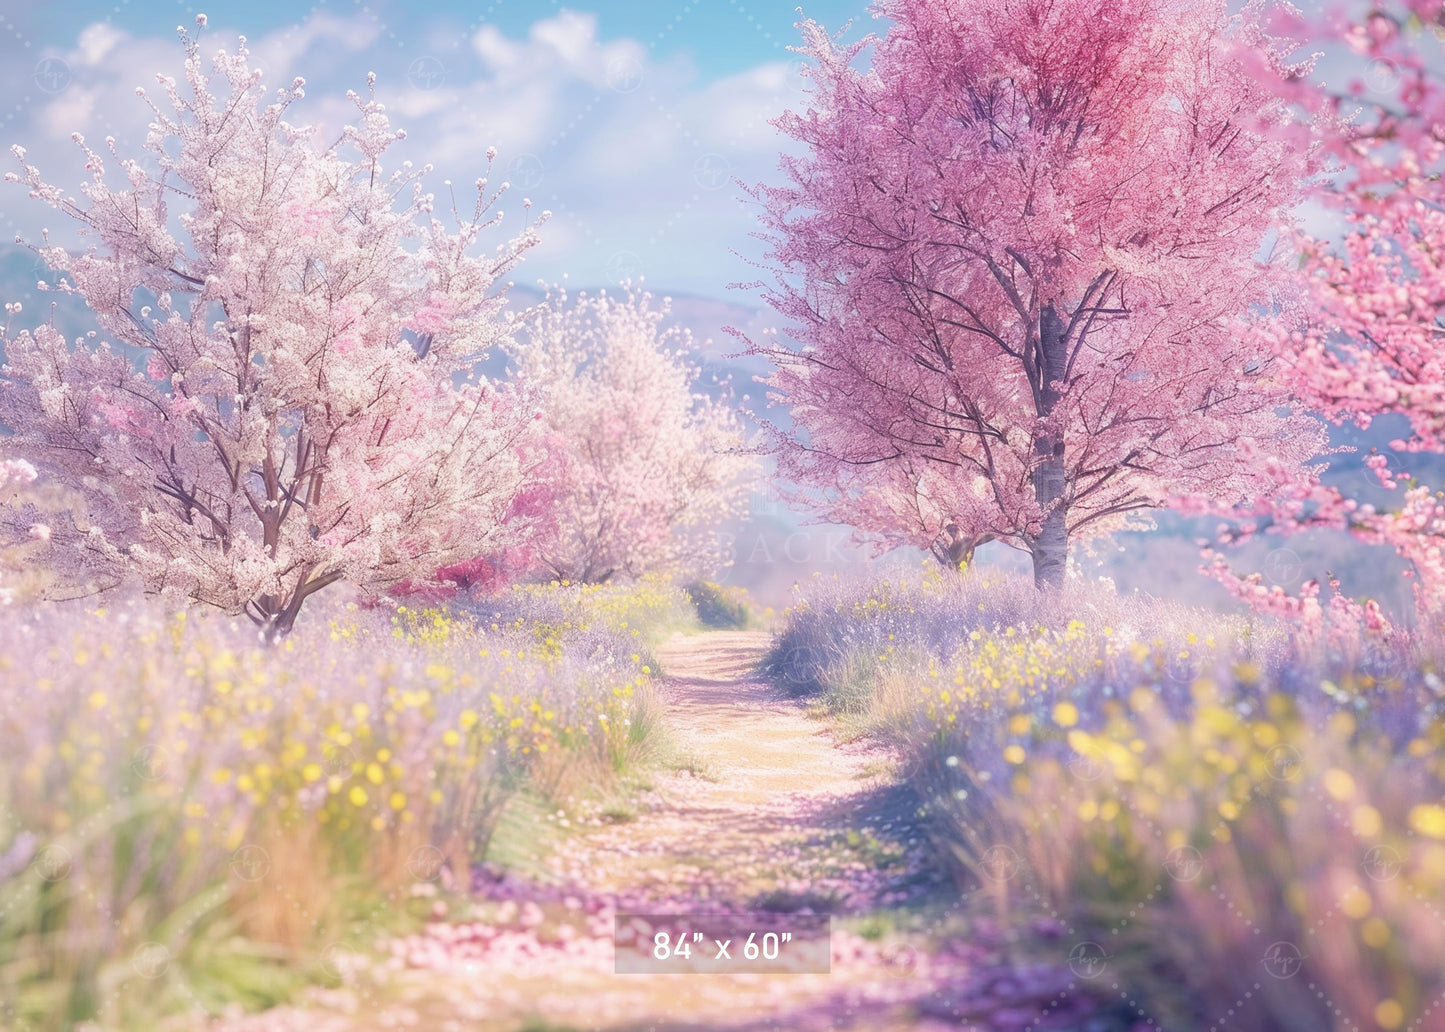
{"points": [[1236, 822], [175, 783]]}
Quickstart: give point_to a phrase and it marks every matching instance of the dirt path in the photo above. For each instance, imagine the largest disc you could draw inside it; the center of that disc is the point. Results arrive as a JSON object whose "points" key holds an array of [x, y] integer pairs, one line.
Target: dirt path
{"points": [[784, 818], [768, 822]]}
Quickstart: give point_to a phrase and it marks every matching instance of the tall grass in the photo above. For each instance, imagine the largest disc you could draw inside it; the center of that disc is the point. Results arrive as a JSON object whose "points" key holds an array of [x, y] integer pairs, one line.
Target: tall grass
{"points": [[720, 606], [1242, 829], [190, 820]]}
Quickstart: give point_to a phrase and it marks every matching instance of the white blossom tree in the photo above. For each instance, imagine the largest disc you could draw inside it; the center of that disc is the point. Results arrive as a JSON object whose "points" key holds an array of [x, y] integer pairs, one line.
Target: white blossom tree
{"points": [[642, 469], [279, 396]]}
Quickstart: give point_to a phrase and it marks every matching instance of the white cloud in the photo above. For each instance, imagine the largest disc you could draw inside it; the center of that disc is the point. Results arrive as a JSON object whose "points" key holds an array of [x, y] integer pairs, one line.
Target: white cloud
{"points": [[322, 36], [107, 64], [736, 112], [95, 42], [563, 47]]}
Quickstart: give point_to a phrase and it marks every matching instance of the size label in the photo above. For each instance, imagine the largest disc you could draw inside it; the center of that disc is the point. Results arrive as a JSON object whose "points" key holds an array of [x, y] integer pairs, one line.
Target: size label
{"points": [[765, 944]]}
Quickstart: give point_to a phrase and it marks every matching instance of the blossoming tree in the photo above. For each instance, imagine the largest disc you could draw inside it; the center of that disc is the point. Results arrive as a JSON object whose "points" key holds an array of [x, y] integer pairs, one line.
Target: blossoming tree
{"points": [[281, 400], [1018, 254], [641, 469]]}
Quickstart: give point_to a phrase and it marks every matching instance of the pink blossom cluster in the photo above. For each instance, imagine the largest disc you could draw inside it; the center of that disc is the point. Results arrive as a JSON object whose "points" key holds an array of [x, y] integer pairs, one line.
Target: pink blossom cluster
{"points": [[1363, 338]]}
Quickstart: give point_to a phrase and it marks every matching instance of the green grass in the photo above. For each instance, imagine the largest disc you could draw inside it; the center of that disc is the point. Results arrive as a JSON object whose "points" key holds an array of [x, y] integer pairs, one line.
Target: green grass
{"points": [[721, 608]]}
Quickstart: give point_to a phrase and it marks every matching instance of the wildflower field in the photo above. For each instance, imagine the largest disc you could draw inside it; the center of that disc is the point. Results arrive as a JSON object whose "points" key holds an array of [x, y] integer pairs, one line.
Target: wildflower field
{"points": [[1125, 813], [184, 803], [1232, 824]]}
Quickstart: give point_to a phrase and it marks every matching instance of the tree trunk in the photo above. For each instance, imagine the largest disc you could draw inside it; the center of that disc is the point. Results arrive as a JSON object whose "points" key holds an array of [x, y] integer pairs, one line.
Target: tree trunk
{"points": [[276, 620], [958, 553], [279, 625], [954, 549], [1051, 547]]}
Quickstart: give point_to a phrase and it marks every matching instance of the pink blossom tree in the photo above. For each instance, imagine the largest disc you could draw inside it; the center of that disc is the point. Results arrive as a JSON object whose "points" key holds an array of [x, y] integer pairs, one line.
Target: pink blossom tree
{"points": [[642, 469], [281, 398], [1019, 254], [1370, 341]]}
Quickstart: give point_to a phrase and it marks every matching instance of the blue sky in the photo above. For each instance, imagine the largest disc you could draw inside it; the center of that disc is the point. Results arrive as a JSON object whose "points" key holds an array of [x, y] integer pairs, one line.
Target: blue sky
{"points": [[719, 36], [629, 121]]}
